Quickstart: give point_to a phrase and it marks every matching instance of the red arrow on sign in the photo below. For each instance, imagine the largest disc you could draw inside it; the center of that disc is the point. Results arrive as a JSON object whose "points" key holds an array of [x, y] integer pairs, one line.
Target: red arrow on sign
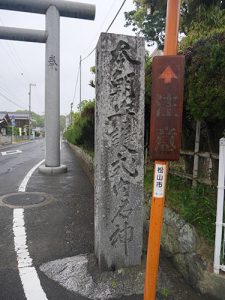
{"points": [[167, 75]]}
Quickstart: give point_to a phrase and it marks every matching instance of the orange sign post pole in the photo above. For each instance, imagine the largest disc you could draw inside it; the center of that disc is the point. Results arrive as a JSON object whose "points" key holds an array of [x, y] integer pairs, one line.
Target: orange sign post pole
{"points": [[160, 168]]}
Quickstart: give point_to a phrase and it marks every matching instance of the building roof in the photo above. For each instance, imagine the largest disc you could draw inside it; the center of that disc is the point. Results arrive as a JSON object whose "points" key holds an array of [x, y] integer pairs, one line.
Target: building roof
{"points": [[19, 115], [3, 114], [4, 119]]}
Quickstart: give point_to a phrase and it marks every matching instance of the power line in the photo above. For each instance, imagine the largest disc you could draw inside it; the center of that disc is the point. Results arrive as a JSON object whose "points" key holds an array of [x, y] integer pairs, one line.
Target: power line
{"points": [[107, 28], [89, 54], [116, 15], [11, 101], [7, 92], [14, 65], [79, 69], [17, 62], [99, 28], [75, 90], [11, 95], [13, 55]]}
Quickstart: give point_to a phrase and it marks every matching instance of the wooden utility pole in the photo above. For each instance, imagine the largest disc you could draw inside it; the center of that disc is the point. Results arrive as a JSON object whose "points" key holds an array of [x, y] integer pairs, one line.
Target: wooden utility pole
{"points": [[160, 170]]}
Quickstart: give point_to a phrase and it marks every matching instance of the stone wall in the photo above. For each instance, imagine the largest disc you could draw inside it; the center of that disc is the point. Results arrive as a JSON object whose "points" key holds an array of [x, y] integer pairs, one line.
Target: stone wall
{"points": [[5, 140], [190, 255], [86, 161], [181, 243]]}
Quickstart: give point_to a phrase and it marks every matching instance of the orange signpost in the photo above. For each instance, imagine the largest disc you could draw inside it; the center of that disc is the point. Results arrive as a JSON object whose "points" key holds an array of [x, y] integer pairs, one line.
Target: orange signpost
{"points": [[161, 167], [172, 27]]}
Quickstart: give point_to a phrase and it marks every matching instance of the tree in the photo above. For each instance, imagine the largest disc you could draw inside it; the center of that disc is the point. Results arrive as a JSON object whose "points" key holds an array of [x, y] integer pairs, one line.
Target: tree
{"points": [[81, 132], [148, 19], [204, 88], [39, 120], [197, 17], [203, 19]]}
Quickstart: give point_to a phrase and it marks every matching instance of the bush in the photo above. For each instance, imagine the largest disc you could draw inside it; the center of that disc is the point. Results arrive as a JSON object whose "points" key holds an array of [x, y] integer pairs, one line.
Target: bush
{"points": [[81, 132], [9, 130]]}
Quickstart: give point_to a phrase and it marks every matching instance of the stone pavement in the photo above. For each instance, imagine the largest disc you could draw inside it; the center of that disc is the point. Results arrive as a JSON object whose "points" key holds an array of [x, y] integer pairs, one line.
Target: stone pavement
{"points": [[60, 236]]}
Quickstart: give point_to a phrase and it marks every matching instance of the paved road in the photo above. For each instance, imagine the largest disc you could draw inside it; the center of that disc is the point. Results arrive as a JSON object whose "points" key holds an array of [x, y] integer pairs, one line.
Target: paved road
{"points": [[62, 227], [47, 231], [14, 167]]}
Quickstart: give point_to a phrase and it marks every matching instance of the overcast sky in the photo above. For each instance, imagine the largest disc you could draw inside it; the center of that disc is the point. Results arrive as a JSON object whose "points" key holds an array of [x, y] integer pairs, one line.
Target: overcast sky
{"points": [[23, 63]]}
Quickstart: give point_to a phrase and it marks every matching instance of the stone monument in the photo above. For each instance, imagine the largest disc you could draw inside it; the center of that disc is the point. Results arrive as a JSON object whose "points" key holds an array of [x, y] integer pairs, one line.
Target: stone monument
{"points": [[119, 150]]}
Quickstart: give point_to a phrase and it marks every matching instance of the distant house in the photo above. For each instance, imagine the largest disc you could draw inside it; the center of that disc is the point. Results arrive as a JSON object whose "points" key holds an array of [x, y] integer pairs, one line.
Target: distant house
{"points": [[21, 118], [4, 122]]}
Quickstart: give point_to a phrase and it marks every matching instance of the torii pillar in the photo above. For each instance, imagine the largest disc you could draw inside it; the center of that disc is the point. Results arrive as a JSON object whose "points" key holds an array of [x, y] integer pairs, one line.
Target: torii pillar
{"points": [[53, 9]]}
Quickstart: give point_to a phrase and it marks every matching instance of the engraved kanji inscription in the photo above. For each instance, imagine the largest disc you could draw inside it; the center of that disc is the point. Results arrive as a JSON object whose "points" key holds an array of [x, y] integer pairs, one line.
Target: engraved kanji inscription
{"points": [[119, 149], [121, 131], [52, 62], [123, 235]]}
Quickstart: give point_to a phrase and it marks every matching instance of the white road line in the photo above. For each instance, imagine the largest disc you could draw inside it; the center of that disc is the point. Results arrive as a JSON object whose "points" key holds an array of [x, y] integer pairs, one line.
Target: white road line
{"points": [[23, 185], [28, 274], [10, 152]]}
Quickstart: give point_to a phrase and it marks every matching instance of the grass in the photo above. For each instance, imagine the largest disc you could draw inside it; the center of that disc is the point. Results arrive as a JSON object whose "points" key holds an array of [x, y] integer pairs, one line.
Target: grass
{"points": [[165, 292], [196, 205], [89, 151]]}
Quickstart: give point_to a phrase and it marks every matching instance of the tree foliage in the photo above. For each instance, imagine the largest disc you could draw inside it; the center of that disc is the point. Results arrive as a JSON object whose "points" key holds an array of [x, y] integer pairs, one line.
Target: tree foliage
{"points": [[39, 120], [197, 17], [205, 20], [204, 97], [149, 20], [81, 132], [9, 130], [205, 78]]}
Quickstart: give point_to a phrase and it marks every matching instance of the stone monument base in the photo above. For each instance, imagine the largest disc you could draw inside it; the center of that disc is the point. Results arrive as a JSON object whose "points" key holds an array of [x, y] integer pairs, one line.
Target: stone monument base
{"points": [[80, 274]]}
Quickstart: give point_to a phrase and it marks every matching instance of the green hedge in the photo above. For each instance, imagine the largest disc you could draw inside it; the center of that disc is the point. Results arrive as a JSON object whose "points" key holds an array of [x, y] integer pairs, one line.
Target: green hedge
{"points": [[81, 132]]}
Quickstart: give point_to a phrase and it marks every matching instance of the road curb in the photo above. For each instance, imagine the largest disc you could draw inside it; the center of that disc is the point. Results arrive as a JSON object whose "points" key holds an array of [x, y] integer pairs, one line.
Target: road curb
{"points": [[87, 162]]}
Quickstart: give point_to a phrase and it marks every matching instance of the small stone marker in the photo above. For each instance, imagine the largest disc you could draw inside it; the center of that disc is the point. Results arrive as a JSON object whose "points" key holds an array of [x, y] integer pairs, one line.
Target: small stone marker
{"points": [[119, 149]]}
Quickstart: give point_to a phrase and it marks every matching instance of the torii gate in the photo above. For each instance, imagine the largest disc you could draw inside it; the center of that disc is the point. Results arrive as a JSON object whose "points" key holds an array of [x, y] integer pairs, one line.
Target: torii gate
{"points": [[51, 36]]}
